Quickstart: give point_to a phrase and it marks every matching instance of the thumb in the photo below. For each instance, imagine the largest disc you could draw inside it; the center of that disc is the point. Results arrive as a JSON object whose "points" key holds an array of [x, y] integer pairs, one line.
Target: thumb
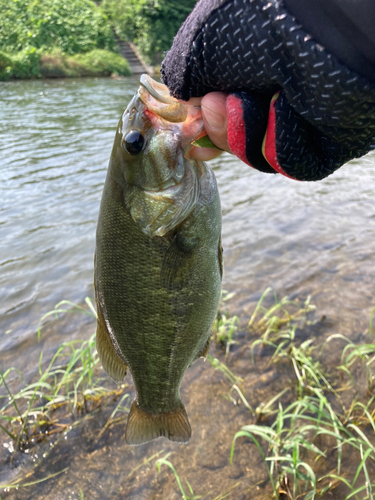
{"points": [[215, 118]]}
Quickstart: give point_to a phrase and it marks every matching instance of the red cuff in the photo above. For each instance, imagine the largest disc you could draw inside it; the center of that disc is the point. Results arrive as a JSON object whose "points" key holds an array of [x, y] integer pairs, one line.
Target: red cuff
{"points": [[236, 128], [269, 141]]}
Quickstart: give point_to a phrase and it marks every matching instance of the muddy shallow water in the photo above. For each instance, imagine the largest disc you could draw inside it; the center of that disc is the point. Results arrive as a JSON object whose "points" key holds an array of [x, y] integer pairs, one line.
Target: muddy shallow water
{"points": [[300, 238]]}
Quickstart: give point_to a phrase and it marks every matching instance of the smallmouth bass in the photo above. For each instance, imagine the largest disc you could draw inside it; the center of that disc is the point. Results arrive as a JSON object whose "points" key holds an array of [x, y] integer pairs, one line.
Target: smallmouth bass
{"points": [[158, 259]]}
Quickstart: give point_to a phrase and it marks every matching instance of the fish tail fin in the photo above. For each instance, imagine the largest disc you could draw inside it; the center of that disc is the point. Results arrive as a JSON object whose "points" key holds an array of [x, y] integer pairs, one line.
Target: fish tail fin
{"points": [[143, 426]]}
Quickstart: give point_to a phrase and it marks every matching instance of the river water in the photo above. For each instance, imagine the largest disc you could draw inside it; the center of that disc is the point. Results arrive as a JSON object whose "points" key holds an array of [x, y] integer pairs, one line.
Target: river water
{"points": [[300, 238]]}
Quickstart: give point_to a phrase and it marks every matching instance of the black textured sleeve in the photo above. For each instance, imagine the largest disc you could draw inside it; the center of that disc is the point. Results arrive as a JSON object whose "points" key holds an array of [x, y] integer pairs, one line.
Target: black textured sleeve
{"points": [[304, 111]]}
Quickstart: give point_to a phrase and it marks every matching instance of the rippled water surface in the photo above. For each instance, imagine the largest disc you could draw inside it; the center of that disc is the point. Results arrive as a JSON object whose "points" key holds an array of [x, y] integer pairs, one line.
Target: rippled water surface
{"points": [[300, 238]]}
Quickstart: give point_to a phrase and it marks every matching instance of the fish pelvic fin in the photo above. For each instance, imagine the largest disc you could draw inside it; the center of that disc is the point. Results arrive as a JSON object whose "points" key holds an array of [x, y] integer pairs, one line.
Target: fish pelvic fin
{"points": [[143, 426], [220, 259], [204, 351], [110, 360]]}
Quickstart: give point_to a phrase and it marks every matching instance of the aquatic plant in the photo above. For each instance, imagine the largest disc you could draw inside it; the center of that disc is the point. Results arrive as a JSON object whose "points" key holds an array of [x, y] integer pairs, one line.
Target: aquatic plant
{"points": [[352, 354], [69, 387], [302, 432], [225, 326], [314, 436], [279, 320], [164, 461]]}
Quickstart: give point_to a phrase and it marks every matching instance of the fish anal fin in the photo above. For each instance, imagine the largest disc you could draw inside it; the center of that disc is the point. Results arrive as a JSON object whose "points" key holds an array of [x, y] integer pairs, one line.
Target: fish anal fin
{"points": [[110, 360], [143, 426]]}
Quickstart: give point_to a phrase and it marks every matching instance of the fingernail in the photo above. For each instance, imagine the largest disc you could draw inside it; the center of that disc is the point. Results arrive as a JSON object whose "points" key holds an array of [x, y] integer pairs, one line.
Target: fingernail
{"points": [[215, 120]]}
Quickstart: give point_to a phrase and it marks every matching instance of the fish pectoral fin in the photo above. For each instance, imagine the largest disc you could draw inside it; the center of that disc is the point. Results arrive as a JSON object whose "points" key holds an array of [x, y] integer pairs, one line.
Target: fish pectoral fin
{"points": [[111, 362], [143, 426], [176, 264]]}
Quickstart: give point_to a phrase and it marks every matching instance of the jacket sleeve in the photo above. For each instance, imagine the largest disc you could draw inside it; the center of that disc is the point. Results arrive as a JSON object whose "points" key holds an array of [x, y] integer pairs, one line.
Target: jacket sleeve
{"points": [[294, 107]]}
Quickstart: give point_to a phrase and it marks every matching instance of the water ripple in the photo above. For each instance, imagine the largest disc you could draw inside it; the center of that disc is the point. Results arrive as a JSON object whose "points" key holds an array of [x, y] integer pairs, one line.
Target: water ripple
{"points": [[55, 141]]}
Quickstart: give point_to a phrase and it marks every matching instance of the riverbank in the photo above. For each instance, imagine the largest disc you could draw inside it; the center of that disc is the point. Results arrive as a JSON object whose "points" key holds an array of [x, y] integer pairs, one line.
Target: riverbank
{"points": [[295, 403], [33, 63]]}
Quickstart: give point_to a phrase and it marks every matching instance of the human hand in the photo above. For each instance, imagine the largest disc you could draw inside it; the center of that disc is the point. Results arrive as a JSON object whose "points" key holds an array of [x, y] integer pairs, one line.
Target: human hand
{"points": [[292, 108], [214, 115]]}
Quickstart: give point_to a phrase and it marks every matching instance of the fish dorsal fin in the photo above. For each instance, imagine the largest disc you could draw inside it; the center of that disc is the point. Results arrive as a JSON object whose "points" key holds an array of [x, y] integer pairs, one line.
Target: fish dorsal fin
{"points": [[110, 360], [143, 426], [157, 213]]}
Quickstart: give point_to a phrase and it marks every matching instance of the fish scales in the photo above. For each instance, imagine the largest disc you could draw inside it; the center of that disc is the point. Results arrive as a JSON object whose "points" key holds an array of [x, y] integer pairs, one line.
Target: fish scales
{"points": [[157, 295]]}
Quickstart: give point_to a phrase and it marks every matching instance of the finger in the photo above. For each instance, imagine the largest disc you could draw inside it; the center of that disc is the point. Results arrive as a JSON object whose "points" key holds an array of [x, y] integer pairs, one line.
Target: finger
{"points": [[204, 154], [215, 118]]}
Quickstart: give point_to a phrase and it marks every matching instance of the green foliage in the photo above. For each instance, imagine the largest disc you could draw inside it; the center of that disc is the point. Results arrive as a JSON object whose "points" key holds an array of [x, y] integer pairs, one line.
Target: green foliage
{"points": [[94, 63], [32, 63], [25, 64], [50, 38], [74, 26], [150, 24], [5, 67], [101, 62]]}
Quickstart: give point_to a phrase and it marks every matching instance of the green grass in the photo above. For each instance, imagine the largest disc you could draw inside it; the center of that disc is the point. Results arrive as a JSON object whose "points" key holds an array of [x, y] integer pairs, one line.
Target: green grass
{"points": [[314, 436], [164, 461], [352, 354], [280, 320], [307, 434], [317, 413], [225, 327], [290, 453], [15, 485], [68, 388]]}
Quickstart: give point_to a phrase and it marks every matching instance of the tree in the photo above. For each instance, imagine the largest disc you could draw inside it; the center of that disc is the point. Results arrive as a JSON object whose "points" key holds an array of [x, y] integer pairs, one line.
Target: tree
{"points": [[73, 26], [150, 24]]}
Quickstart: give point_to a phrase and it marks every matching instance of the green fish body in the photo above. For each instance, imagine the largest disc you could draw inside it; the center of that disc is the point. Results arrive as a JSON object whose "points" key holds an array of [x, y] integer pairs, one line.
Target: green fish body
{"points": [[158, 260]]}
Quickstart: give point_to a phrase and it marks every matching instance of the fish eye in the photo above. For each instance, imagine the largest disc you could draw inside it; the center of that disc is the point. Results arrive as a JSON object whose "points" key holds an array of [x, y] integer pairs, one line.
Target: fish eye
{"points": [[133, 142]]}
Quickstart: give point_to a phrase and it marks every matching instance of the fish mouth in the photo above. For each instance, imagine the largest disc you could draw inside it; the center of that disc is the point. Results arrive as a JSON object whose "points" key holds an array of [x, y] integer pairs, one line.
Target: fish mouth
{"points": [[155, 96], [159, 91], [161, 105]]}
